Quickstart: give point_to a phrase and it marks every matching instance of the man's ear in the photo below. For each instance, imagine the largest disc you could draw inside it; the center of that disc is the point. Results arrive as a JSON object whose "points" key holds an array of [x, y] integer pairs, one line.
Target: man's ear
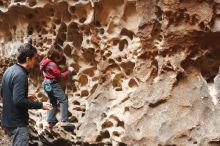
{"points": [[27, 58]]}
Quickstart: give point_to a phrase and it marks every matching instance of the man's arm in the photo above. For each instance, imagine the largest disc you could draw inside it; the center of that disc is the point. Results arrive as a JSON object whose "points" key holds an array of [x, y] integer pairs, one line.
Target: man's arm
{"points": [[20, 89]]}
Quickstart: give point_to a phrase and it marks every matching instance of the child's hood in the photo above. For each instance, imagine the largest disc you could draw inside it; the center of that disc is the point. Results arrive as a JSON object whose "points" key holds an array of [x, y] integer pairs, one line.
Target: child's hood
{"points": [[44, 63]]}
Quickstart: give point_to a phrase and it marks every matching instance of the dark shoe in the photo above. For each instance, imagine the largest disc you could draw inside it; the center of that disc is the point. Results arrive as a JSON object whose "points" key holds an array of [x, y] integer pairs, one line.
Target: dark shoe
{"points": [[51, 125], [67, 126]]}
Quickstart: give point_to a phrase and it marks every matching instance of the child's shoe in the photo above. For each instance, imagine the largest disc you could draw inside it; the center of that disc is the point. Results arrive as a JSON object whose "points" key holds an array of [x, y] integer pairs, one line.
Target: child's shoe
{"points": [[66, 124], [51, 125]]}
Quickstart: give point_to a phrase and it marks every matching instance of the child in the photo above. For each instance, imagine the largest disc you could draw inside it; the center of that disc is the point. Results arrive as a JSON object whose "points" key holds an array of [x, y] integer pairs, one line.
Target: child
{"points": [[52, 75]]}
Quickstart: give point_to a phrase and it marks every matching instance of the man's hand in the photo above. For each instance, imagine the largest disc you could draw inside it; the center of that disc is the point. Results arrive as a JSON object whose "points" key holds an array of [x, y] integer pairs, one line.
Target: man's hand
{"points": [[32, 98], [46, 106]]}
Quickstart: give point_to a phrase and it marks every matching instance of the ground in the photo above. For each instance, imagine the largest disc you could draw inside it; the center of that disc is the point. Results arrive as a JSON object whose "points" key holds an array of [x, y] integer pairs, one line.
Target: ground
{"points": [[4, 141]]}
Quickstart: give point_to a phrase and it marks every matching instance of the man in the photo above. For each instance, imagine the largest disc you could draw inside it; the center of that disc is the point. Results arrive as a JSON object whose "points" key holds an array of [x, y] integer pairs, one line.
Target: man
{"points": [[15, 96]]}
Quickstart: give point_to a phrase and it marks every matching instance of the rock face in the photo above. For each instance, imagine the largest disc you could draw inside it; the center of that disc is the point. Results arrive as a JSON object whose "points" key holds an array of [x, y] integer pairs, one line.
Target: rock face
{"points": [[145, 68]]}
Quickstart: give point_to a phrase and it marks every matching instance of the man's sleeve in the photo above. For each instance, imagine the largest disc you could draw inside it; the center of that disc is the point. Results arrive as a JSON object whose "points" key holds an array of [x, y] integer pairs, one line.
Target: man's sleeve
{"points": [[20, 89]]}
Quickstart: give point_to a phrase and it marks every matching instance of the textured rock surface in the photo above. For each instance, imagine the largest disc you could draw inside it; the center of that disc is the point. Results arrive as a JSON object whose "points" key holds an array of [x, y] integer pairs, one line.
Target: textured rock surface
{"points": [[145, 68]]}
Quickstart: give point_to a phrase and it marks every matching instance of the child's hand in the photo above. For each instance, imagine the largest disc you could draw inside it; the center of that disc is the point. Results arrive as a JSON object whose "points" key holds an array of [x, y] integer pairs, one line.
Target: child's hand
{"points": [[72, 71], [63, 68]]}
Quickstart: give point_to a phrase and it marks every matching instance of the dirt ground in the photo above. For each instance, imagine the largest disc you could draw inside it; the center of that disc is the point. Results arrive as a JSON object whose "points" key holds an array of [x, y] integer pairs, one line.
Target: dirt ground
{"points": [[4, 139]]}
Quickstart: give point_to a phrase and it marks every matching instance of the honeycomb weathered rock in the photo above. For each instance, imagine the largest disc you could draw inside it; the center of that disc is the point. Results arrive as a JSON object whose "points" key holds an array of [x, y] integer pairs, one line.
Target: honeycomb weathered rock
{"points": [[144, 68]]}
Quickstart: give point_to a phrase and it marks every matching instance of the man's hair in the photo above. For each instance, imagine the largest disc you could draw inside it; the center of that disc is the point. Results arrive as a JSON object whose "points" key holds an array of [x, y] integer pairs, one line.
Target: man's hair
{"points": [[24, 51], [54, 52]]}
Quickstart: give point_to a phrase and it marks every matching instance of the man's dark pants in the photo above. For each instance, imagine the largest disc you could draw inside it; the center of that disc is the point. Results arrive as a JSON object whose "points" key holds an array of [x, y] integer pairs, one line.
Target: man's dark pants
{"points": [[19, 136]]}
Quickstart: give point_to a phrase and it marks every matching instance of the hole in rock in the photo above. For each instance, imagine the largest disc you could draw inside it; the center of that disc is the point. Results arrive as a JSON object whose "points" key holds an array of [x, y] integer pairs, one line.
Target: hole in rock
{"points": [[107, 124], [72, 9], [209, 65], [127, 33]]}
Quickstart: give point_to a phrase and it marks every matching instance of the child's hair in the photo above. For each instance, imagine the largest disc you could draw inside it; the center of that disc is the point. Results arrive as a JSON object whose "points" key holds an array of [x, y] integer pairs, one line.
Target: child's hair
{"points": [[24, 51], [54, 52]]}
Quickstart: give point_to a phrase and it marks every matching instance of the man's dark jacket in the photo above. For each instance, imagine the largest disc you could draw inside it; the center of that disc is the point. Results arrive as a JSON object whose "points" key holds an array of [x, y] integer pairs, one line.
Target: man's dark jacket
{"points": [[14, 92]]}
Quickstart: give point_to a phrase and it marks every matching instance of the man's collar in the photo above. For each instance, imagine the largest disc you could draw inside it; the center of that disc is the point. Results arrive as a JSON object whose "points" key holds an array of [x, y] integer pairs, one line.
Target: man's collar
{"points": [[25, 70]]}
